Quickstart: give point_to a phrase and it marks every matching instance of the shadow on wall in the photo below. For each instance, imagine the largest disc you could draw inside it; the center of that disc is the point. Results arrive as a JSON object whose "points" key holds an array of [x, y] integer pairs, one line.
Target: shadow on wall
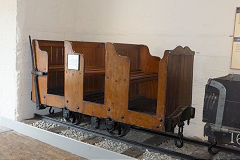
{"points": [[49, 20], [25, 108]]}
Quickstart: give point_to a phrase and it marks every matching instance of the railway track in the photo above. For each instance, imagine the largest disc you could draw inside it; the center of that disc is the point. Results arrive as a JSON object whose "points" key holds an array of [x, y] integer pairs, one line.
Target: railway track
{"points": [[152, 141]]}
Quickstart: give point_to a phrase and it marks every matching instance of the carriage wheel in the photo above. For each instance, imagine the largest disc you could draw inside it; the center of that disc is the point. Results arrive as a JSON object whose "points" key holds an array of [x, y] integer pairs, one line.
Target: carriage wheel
{"points": [[116, 128], [77, 118], [211, 148], [72, 117]]}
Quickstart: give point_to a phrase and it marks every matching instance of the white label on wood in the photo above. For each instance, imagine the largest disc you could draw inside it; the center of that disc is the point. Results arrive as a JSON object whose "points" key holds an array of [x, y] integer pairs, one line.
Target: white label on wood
{"points": [[73, 62]]}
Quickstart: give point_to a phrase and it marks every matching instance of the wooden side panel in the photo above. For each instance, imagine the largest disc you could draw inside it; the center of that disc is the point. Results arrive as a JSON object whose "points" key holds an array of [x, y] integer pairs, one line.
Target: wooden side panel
{"points": [[55, 100], [148, 62], [73, 87], [162, 86], [116, 83], [94, 109], [132, 52], [143, 120], [41, 58], [117, 89], [179, 78]]}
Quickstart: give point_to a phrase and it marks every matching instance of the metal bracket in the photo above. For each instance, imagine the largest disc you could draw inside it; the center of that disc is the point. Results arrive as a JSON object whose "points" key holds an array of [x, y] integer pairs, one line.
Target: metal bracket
{"points": [[66, 113], [39, 73], [181, 114], [35, 76]]}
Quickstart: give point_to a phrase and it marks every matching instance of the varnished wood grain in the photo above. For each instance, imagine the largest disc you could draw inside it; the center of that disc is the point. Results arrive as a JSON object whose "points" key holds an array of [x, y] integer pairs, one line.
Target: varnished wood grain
{"points": [[117, 89], [73, 87], [149, 63], [42, 62], [55, 51], [132, 52], [179, 78], [55, 100], [161, 97], [18, 147], [114, 79], [116, 83], [94, 60]]}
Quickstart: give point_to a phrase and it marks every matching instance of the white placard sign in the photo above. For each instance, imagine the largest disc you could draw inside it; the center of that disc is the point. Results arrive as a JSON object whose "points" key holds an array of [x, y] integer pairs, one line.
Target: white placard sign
{"points": [[73, 62], [235, 64]]}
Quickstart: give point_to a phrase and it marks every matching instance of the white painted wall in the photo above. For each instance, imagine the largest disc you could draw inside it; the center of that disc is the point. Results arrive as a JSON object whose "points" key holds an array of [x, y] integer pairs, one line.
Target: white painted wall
{"points": [[8, 75], [205, 26], [42, 20]]}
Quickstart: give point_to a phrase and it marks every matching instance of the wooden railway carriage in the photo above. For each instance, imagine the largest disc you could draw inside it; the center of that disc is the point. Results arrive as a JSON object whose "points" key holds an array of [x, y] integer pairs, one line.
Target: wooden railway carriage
{"points": [[115, 83]]}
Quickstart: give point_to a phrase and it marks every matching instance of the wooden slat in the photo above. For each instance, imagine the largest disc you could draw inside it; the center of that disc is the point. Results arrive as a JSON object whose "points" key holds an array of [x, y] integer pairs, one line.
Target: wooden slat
{"points": [[53, 67], [134, 76], [55, 100], [179, 79]]}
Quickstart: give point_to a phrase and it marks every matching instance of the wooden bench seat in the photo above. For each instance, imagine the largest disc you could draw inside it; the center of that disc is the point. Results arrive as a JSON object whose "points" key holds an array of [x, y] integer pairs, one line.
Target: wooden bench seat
{"points": [[140, 76], [134, 75], [90, 70], [56, 67]]}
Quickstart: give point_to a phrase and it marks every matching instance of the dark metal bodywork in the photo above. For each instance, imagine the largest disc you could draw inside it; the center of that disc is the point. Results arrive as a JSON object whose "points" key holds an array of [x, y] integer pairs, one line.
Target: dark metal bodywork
{"points": [[221, 110]]}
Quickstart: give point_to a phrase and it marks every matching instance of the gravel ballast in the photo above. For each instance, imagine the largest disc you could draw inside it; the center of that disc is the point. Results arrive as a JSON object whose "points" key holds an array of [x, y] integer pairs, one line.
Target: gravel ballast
{"points": [[77, 135], [44, 125], [113, 145], [120, 147], [147, 155]]}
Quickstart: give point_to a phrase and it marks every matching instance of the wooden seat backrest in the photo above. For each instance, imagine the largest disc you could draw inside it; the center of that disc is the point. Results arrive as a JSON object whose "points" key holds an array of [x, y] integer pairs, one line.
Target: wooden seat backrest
{"points": [[132, 51], [55, 50], [94, 63], [94, 53], [139, 56], [94, 57]]}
